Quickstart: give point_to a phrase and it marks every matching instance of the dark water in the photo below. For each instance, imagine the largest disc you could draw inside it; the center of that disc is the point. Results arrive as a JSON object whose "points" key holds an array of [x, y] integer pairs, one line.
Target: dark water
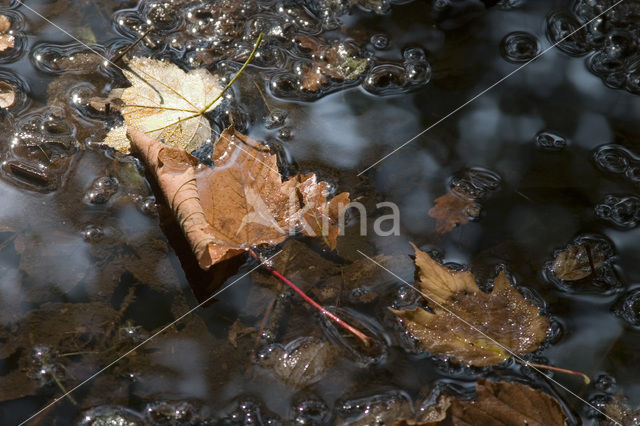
{"points": [[86, 271]]}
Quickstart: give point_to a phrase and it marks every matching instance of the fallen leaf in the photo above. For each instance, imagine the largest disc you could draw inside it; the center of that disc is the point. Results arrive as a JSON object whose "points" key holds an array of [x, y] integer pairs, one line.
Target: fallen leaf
{"points": [[338, 61], [7, 95], [578, 262], [504, 315], [5, 24], [166, 103], [505, 403], [237, 330], [452, 209], [7, 41], [302, 362], [618, 408], [240, 203]]}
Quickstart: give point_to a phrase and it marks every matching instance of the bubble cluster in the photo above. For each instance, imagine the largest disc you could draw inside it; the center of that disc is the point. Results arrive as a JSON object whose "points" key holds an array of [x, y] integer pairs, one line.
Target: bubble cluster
{"points": [[101, 190], [111, 415], [213, 33], [475, 183], [611, 40], [393, 79], [550, 141], [311, 411], [622, 211], [40, 147], [628, 307], [519, 46], [618, 160], [369, 408]]}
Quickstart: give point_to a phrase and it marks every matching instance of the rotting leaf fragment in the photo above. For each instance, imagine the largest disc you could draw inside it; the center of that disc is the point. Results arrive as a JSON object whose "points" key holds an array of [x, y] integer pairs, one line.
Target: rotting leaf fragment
{"points": [[242, 201], [504, 315], [505, 403]]}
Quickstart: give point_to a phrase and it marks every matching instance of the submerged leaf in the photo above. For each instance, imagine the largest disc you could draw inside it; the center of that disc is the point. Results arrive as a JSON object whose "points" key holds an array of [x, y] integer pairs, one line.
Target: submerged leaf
{"points": [[302, 362], [506, 403], [166, 103], [453, 209], [578, 262], [7, 41], [243, 201], [504, 315], [7, 95]]}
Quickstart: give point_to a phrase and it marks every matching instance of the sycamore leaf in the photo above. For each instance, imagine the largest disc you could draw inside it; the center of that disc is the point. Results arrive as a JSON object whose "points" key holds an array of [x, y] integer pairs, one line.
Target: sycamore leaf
{"points": [[240, 203], [504, 315], [505, 403], [166, 103], [452, 209]]}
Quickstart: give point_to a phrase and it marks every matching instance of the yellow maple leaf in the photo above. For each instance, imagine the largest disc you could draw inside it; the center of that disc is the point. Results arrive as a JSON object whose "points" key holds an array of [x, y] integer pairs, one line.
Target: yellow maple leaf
{"points": [[166, 103]]}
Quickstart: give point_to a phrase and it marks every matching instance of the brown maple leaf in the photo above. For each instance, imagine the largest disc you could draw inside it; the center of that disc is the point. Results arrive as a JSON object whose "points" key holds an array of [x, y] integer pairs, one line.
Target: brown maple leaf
{"points": [[452, 209], [242, 201], [504, 315]]}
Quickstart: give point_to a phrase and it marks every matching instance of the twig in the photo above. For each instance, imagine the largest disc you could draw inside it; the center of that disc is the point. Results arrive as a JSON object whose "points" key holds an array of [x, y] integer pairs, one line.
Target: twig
{"points": [[360, 335]]}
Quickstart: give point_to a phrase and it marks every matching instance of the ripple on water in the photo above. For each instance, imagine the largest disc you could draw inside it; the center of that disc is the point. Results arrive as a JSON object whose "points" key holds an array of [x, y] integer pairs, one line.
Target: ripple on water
{"points": [[519, 46]]}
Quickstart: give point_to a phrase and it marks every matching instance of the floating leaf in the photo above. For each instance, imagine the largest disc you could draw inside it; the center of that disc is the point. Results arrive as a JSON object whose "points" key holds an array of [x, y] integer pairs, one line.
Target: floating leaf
{"points": [[453, 209], [504, 315], [302, 362], [7, 41], [506, 403], [243, 201], [578, 262], [7, 95], [166, 103]]}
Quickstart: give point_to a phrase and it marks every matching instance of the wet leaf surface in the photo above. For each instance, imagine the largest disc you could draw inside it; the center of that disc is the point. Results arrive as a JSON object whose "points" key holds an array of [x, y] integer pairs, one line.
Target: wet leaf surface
{"points": [[302, 362], [453, 209], [243, 201], [578, 262], [166, 103], [505, 403], [504, 315], [7, 95]]}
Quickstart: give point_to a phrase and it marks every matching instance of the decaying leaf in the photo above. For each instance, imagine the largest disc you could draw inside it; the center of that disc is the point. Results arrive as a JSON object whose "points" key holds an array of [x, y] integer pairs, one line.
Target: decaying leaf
{"points": [[504, 315], [237, 330], [302, 362], [339, 61], [166, 103], [578, 262], [505, 403], [7, 95], [243, 201], [619, 410], [7, 40], [452, 209]]}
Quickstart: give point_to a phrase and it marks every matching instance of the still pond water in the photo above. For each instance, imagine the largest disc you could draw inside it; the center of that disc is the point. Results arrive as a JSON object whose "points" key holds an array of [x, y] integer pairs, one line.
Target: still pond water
{"points": [[90, 265]]}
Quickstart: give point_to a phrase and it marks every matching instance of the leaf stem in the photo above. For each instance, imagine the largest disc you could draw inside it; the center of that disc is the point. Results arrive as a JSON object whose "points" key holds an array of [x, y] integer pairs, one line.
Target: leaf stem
{"points": [[586, 378], [360, 335], [246, 63]]}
